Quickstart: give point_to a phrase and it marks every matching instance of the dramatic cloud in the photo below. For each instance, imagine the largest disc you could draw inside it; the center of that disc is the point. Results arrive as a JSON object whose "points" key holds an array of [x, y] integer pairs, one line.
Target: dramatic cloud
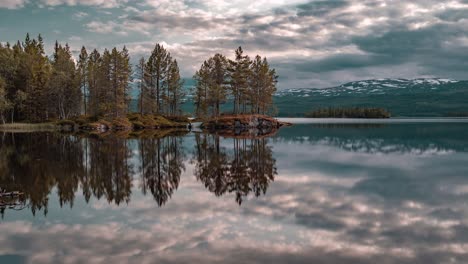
{"points": [[99, 3], [12, 4], [311, 43]]}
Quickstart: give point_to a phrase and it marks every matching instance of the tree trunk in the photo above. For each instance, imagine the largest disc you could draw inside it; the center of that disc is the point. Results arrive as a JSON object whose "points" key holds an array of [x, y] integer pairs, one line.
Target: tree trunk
{"points": [[157, 94]]}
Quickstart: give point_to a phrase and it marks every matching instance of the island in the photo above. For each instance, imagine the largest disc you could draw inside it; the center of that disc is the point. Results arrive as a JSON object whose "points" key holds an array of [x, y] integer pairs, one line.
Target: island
{"points": [[351, 112]]}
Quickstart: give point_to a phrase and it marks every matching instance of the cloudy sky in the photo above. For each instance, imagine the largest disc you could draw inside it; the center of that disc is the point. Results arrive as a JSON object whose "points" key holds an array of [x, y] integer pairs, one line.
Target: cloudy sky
{"points": [[310, 43]]}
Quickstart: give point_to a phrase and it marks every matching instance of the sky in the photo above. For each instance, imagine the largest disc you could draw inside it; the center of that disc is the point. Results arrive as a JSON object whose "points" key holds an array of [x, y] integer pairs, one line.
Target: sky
{"points": [[311, 44]]}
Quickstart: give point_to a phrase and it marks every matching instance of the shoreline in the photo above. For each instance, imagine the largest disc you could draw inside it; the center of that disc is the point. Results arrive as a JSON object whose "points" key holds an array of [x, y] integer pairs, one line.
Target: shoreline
{"points": [[50, 126], [28, 127], [136, 123], [393, 120]]}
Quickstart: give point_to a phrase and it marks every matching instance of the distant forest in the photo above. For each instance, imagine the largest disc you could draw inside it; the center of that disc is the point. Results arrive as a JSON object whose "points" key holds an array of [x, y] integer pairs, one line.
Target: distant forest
{"points": [[353, 112], [38, 88]]}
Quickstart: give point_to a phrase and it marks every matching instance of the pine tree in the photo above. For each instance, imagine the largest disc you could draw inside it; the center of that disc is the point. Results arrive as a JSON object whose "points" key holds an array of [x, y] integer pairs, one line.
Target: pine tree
{"points": [[108, 80], [105, 92], [157, 66], [5, 104], [262, 83], [92, 78], [125, 76], [251, 84], [140, 71], [39, 70], [38, 88], [239, 68], [220, 76], [8, 70], [212, 85], [64, 94], [175, 88], [83, 77], [203, 83]]}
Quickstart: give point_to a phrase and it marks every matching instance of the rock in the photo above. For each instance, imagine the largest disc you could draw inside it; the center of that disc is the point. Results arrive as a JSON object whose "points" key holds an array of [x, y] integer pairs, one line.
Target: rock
{"points": [[241, 123]]}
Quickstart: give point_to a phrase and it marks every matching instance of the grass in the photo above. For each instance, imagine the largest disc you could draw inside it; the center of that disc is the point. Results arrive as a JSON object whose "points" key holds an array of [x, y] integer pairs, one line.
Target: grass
{"points": [[130, 122], [153, 121], [240, 120]]}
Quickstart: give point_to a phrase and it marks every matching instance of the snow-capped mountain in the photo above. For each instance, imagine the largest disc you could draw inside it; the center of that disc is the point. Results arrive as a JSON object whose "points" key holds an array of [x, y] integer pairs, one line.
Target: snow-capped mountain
{"points": [[402, 97], [379, 86], [411, 98]]}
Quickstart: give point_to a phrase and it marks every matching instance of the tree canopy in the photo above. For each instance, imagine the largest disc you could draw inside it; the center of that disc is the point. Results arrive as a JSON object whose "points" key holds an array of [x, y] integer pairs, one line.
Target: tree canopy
{"points": [[249, 84], [38, 88]]}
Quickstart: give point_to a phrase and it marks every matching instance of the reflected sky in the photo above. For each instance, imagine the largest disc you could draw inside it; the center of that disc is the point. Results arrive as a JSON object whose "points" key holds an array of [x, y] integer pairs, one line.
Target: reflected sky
{"points": [[393, 193]]}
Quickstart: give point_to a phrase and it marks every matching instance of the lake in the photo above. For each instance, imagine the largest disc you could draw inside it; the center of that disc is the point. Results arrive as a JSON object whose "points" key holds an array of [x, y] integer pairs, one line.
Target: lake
{"points": [[329, 191]]}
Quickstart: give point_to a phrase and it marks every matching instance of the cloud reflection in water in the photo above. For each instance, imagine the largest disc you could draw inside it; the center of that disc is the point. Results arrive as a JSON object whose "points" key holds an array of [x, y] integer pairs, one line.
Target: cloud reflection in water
{"points": [[328, 203]]}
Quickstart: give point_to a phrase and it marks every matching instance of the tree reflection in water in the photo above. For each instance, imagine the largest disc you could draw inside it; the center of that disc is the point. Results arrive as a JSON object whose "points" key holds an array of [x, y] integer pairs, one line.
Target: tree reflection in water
{"points": [[34, 164], [249, 168], [103, 167], [162, 163]]}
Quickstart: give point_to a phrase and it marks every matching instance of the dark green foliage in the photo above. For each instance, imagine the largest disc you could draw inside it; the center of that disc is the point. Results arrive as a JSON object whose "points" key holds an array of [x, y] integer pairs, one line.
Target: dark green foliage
{"points": [[250, 84], [457, 114], [64, 91], [35, 88], [155, 78], [239, 80], [355, 112], [160, 83], [82, 76], [5, 104], [175, 93], [212, 86]]}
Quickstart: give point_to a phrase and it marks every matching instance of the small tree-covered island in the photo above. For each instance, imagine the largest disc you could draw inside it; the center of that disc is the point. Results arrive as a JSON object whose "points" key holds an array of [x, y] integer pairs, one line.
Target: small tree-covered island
{"points": [[93, 92]]}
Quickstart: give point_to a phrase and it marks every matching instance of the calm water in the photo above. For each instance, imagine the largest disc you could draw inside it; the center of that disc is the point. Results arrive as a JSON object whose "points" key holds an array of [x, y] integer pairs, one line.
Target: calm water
{"points": [[313, 193]]}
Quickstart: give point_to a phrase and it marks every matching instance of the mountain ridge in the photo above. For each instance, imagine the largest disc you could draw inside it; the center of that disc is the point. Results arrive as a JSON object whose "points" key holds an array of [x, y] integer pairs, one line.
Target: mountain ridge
{"points": [[421, 97]]}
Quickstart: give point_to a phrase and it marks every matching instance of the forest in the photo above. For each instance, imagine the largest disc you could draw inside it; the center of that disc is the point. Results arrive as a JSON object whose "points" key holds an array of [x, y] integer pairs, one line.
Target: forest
{"points": [[36, 88], [352, 112]]}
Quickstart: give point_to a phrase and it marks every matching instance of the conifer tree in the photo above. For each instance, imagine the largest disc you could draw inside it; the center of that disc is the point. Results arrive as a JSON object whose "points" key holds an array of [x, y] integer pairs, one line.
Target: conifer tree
{"points": [[37, 88], [203, 83], [39, 70], [140, 71], [262, 81], [92, 78], [220, 75], [8, 69], [64, 92], [250, 83], [156, 67], [82, 75], [5, 104], [175, 88], [240, 68]]}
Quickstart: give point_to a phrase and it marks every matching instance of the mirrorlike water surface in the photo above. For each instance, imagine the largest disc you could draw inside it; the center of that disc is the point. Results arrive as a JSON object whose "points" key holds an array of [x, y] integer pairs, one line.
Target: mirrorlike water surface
{"points": [[314, 193]]}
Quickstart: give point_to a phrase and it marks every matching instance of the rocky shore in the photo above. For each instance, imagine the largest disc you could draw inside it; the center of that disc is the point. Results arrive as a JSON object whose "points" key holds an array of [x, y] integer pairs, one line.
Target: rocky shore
{"points": [[255, 125]]}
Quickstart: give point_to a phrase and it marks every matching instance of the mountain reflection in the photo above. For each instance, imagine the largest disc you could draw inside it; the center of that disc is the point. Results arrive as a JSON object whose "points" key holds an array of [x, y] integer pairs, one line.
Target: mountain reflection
{"points": [[105, 167], [248, 168], [419, 139]]}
